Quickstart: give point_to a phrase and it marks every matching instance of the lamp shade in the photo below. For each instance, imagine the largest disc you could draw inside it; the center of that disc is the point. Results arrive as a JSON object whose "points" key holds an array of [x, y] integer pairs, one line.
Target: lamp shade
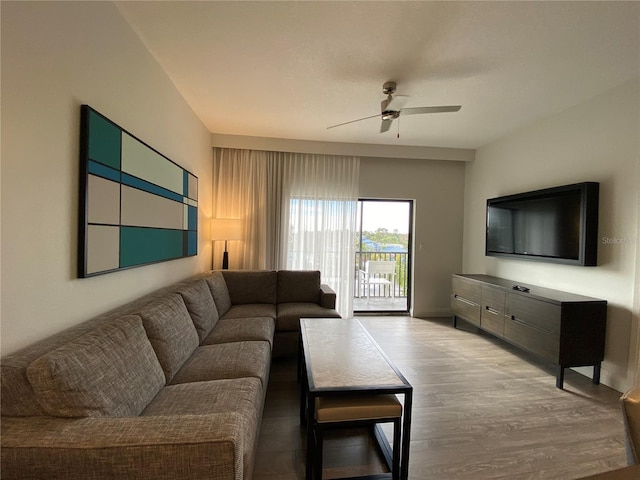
{"points": [[226, 229]]}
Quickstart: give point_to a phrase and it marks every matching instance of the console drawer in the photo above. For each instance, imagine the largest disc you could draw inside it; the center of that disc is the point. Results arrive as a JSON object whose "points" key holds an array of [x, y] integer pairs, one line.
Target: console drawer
{"points": [[542, 343], [536, 314], [466, 296], [464, 308], [467, 289], [492, 319], [493, 298], [492, 322]]}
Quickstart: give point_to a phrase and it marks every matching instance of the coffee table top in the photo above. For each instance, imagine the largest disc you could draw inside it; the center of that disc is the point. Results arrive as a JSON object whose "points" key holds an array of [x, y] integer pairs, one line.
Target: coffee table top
{"points": [[340, 354]]}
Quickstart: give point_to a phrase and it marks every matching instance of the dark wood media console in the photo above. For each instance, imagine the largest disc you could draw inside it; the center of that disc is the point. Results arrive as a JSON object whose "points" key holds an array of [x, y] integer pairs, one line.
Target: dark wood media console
{"points": [[564, 328]]}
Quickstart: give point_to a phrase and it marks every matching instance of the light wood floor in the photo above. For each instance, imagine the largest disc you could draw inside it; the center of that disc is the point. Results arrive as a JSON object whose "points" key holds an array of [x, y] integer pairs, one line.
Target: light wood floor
{"points": [[482, 410]]}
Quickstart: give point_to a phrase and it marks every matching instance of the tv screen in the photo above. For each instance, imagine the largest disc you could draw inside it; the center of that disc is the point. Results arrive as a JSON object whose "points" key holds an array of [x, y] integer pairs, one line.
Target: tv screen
{"points": [[555, 225]]}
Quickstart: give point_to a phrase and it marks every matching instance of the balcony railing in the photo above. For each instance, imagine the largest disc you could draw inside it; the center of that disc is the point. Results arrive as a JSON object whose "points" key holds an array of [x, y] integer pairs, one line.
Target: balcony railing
{"points": [[401, 279]]}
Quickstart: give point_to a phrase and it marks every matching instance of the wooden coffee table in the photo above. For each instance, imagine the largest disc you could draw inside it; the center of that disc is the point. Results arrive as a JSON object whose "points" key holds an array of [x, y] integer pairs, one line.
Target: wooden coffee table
{"points": [[340, 358]]}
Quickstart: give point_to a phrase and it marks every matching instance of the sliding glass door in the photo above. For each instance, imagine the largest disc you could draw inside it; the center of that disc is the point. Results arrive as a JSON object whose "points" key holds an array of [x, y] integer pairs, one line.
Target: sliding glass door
{"points": [[383, 256]]}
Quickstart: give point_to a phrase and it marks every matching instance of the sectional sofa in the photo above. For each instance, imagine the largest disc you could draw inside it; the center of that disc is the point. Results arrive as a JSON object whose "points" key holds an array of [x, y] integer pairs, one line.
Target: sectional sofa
{"points": [[170, 386]]}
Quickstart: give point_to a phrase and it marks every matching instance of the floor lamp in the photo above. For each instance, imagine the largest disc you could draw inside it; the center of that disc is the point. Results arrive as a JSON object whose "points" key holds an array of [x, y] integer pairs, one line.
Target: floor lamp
{"points": [[225, 229]]}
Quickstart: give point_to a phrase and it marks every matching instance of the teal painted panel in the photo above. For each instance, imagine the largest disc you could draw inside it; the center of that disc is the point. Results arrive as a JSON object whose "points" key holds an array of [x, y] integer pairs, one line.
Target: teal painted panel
{"points": [[139, 246], [192, 218], [105, 141], [192, 243]]}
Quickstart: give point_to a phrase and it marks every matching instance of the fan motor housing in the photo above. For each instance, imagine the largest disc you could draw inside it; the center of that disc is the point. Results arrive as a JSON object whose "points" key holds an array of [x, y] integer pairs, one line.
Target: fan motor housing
{"points": [[389, 88]]}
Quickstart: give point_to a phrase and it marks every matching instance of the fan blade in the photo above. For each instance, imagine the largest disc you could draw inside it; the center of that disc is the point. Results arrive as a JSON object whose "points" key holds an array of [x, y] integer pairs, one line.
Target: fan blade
{"points": [[385, 125], [418, 110], [393, 102], [353, 121]]}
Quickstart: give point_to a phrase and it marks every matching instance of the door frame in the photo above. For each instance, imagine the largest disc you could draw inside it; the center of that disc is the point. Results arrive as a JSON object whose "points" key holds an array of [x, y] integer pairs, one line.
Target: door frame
{"points": [[409, 254]]}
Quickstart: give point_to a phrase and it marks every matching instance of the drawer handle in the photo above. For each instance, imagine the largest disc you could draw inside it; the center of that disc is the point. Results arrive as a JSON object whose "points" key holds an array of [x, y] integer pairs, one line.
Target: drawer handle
{"points": [[493, 311], [533, 327], [464, 300]]}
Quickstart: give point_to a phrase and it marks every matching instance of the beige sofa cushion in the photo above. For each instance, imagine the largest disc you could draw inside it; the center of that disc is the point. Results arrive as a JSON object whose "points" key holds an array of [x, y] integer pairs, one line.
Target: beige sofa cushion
{"points": [[241, 397], [171, 332], [289, 315], [199, 302], [298, 286], [241, 330], [249, 310], [227, 360], [220, 292], [111, 371]]}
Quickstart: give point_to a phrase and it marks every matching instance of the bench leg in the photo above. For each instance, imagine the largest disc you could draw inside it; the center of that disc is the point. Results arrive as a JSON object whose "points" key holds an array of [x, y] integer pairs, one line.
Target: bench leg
{"points": [[317, 453], [397, 446]]}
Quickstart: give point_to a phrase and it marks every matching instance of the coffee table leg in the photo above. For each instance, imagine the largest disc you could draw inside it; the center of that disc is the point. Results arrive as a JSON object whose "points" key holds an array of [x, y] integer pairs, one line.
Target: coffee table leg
{"points": [[310, 439], [304, 385], [406, 435]]}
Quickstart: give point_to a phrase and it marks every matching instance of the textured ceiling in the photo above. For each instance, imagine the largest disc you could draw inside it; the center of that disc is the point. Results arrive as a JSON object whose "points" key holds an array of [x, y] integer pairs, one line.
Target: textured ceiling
{"points": [[290, 69]]}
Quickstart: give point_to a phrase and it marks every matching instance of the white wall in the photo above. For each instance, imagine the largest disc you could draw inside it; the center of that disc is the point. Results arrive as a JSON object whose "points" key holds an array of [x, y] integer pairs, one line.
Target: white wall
{"points": [[437, 187], [594, 141], [55, 57]]}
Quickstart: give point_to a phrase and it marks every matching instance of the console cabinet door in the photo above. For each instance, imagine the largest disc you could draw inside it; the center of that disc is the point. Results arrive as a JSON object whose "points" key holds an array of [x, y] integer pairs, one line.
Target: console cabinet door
{"points": [[492, 318], [465, 299]]}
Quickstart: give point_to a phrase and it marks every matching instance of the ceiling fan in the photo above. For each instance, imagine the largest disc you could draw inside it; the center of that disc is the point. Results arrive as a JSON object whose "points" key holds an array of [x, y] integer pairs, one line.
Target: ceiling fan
{"points": [[389, 111]]}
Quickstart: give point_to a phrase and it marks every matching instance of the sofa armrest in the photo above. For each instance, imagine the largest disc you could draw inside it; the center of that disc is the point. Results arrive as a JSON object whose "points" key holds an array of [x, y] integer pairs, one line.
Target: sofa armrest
{"points": [[171, 447], [327, 297]]}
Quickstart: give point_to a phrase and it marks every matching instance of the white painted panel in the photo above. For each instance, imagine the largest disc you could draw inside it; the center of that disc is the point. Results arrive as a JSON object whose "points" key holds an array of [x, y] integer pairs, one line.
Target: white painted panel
{"points": [[103, 201], [193, 187], [142, 162], [103, 250], [145, 209]]}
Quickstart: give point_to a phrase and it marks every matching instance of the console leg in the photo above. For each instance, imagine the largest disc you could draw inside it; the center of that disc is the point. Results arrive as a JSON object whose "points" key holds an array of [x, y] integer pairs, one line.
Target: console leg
{"points": [[596, 374], [454, 321], [559, 376]]}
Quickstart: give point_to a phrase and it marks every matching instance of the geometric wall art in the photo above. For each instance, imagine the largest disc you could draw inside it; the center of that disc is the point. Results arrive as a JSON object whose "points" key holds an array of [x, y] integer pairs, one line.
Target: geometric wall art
{"points": [[137, 207]]}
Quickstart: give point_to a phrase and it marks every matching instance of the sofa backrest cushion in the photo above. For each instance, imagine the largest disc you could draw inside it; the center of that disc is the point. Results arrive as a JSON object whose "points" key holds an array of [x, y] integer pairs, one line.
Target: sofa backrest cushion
{"points": [[297, 286], [199, 302], [171, 332], [111, 371], [219, 291], [251, 286]]}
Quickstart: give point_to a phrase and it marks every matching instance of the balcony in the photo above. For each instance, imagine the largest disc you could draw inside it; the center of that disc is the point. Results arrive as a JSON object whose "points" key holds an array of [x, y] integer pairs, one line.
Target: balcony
{"points": [[380, 298]]}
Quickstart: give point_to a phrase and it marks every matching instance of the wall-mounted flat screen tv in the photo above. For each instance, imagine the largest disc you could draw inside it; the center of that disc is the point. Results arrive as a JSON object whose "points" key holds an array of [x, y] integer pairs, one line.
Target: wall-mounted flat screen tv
{"points": [[558, 225]]}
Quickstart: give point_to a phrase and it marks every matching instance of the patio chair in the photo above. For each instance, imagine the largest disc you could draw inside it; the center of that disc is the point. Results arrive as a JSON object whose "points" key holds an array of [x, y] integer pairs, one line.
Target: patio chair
{"points": [[381, 273]]}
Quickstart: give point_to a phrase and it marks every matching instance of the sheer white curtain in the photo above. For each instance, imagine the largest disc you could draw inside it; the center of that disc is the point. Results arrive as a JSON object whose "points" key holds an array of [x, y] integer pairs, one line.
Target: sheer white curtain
{"points": [[298, 212], [320, 196]]}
